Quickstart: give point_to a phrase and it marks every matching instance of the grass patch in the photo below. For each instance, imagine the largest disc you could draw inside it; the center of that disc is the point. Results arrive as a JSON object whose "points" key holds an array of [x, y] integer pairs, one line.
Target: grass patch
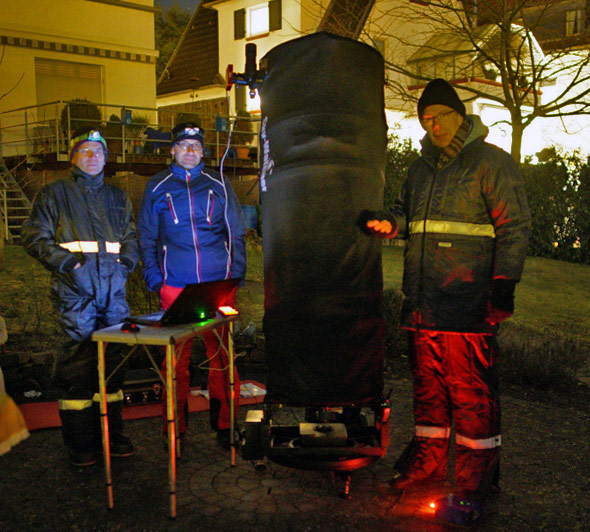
{"points": [[545, 344]]}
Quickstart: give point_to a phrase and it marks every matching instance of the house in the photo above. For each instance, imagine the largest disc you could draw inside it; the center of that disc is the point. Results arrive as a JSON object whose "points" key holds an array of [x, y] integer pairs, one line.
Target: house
{"points": [[401, 30], [102, 51]]}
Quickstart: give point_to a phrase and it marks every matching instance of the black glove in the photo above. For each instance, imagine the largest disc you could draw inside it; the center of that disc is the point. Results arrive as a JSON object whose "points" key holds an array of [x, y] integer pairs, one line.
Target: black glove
{"points": [[503, 294], [157, 287], [127, 262]]}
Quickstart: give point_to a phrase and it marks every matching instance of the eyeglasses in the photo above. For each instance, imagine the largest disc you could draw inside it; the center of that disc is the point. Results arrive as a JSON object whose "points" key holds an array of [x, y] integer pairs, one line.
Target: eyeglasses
{"points": [[87, 152], [441, 118], [185, 146]]}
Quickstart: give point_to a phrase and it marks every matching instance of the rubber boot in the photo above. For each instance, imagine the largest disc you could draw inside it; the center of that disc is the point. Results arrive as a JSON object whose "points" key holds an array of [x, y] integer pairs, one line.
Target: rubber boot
{"points": [[79, 434]]}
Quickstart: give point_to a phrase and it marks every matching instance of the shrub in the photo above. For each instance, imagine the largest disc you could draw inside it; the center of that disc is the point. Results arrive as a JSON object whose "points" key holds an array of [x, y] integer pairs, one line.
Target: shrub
{"points": [[545, 359], [396, 340], [82, 114]]}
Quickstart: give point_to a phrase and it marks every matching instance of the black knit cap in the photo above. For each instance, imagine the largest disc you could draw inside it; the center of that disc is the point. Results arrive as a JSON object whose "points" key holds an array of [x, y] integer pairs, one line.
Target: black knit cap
{"points": [[439, 91]]}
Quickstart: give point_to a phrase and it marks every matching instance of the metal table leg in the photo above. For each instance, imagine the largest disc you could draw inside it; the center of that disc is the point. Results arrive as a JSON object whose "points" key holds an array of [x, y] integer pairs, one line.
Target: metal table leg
{"points": [[170, 408], [106, 446], [232, 385]]}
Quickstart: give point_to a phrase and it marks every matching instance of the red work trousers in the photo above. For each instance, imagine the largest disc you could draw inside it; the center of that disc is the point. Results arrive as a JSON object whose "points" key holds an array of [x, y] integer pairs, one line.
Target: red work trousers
{"points": [[218, 377], [455, 379]]}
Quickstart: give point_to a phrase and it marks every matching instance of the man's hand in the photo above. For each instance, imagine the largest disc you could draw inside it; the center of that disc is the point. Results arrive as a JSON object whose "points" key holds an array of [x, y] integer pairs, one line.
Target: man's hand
{"points": [[378, 224], [381, 227]]}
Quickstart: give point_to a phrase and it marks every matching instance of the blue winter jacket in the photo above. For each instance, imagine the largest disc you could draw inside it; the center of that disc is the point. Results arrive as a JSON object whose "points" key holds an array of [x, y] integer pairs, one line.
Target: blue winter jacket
{"points": [[191, 228]]}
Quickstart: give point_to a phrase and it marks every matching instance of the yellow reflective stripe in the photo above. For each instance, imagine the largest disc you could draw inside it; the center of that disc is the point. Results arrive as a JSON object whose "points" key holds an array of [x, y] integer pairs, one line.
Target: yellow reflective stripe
{"points": [[74, 404], [113, 247], [80, 246], [486, 443], [111, 397], [424, 431], [452, 228]]}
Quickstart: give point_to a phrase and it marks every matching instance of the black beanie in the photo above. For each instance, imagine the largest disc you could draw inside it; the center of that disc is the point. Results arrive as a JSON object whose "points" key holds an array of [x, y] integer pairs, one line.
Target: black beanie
{"points": [[439, 91]]}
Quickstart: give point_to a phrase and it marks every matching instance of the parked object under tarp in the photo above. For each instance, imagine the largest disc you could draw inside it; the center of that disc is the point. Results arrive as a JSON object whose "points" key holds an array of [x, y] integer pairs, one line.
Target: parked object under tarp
{"points": [[324, 140]]}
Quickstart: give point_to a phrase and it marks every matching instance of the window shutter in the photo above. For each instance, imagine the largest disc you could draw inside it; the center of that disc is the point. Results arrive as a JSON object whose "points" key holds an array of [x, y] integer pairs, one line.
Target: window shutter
{"points": [[274, 15], [239, 24]]}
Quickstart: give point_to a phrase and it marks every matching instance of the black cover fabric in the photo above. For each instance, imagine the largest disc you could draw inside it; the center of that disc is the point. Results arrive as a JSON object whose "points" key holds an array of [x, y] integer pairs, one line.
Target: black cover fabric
{"points": [[324, 141]]}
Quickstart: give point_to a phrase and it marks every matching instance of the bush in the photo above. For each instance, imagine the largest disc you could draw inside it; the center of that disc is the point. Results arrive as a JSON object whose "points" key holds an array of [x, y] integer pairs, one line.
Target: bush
{"points": [[396, 339], [82, 114], [544, 359], [400, 155]]}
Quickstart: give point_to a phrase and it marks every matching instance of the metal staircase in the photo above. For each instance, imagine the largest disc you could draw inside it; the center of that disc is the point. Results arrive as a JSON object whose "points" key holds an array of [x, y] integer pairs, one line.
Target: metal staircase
{"points": [[14, 205], [346, 17]]}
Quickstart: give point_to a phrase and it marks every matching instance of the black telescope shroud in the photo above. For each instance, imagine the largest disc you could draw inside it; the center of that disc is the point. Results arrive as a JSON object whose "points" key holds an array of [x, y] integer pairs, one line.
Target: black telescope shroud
{"points": [[323, 139]]}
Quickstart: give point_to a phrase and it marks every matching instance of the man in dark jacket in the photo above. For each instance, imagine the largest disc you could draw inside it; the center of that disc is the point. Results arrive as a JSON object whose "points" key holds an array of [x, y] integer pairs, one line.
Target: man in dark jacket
{"points": [[464, 214], [81, 230], [191, 230]]}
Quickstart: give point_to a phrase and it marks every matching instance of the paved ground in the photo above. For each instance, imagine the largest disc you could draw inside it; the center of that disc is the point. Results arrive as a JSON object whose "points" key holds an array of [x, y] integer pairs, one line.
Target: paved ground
{"points": [[546, 467]]}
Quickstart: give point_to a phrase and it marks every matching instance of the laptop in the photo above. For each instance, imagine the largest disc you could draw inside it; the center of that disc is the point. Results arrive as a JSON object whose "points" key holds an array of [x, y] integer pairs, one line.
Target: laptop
{"points": [[197, 302]]}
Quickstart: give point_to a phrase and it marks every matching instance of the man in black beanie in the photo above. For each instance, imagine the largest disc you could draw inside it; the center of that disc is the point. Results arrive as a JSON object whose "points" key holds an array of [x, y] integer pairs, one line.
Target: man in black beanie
{"points": [[465, 218]]}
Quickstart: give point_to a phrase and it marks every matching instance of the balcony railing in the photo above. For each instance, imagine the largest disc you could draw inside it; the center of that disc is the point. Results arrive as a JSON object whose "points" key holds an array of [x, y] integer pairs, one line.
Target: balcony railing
{"points": [[133, 133]]}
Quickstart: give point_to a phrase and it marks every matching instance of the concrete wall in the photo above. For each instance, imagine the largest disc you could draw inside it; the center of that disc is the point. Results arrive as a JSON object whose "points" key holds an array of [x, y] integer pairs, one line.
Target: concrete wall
{"points": [[84, 32]]}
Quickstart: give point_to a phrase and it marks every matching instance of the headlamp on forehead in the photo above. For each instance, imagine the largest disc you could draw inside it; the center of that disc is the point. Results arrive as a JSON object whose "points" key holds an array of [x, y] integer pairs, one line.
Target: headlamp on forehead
{"points": [[90, 135], [188, 130]]}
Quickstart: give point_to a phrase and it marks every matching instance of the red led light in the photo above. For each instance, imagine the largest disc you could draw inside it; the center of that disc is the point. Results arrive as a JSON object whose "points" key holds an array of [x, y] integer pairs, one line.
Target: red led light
{"points": [[432, 506]]}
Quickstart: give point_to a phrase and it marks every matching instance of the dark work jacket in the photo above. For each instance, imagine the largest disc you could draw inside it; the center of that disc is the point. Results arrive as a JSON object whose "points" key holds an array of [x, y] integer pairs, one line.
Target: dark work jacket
{"points": [[465, 224], [83, 220]]}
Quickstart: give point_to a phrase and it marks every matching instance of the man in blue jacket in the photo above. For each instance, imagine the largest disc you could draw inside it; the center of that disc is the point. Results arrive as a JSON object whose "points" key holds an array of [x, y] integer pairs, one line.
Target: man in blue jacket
{"points": [[81, 230], [192, 231]]}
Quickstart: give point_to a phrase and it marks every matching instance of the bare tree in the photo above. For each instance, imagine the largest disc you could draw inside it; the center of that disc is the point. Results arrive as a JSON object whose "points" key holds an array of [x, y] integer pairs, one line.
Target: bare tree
{"points": [[489, 49]]}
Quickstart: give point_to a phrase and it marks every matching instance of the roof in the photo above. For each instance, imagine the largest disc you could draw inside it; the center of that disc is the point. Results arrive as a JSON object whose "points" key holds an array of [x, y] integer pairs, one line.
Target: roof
{"points": [[486, 37], [195, 61]]}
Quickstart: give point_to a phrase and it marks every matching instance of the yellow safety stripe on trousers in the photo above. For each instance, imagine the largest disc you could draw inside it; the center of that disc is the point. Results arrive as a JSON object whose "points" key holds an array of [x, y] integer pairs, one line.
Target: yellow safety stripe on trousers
{"points": [[81, 246], [423, 431], [81, 404], [74, 404], [486, 443], [452, 228], [111, 397]]}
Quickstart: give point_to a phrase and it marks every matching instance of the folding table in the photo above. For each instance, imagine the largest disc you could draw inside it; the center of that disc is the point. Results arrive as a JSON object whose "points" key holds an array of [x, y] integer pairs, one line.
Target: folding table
{"points": [[173, 339]]}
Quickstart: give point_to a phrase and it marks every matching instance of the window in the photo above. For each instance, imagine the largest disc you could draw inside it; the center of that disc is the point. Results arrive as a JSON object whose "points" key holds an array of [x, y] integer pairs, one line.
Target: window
{"points": [[66, 80], [257, 20], [575, 21]]}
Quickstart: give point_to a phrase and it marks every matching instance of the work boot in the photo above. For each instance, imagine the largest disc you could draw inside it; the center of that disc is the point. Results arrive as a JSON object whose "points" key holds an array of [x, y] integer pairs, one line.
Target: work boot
{"points": [[121, 446], [420, 462], [78, 431], [82, 457]]}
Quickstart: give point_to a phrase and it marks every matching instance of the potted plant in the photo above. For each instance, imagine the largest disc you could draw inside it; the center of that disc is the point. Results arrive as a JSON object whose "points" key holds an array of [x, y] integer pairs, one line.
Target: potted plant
{"points": [[242, 134], [79, 113], [135, 131]]}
